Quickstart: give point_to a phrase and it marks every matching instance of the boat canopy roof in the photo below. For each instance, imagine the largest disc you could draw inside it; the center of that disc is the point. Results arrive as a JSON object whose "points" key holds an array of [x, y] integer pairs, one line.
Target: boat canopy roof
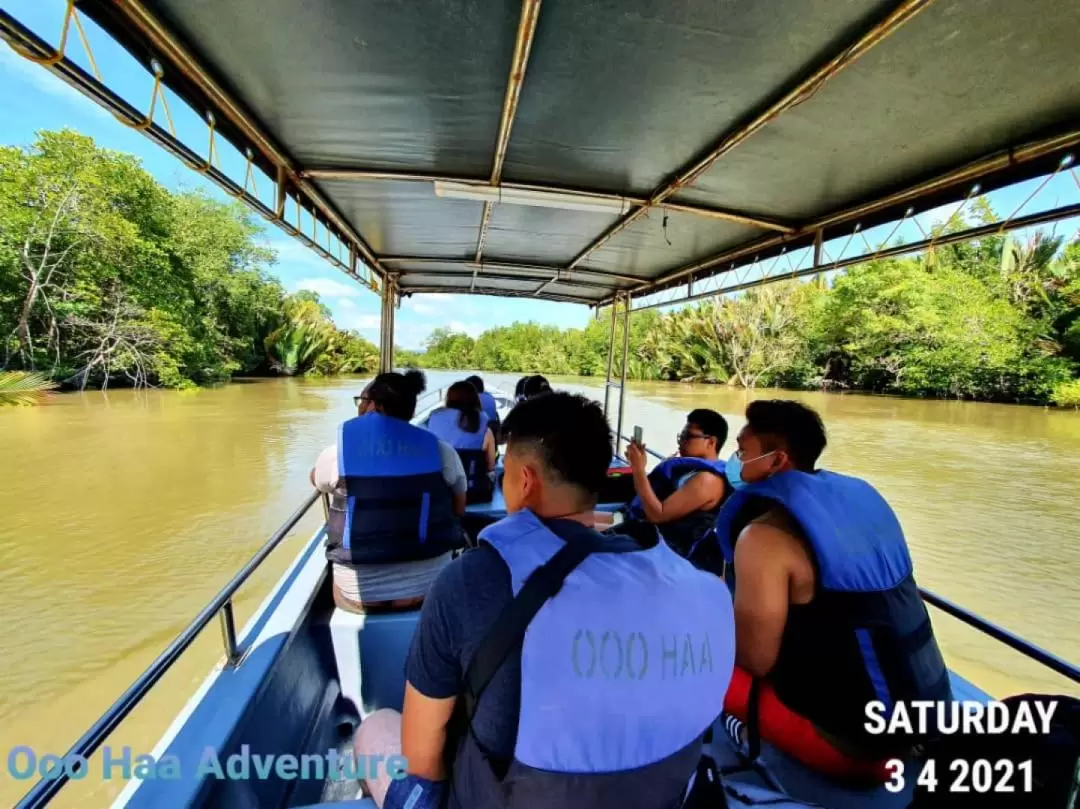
{"points": [[576, 149]]}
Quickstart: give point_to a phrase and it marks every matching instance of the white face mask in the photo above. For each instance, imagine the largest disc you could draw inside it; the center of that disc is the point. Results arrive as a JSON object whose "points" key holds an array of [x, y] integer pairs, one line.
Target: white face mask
{"points": [[734, 465]]}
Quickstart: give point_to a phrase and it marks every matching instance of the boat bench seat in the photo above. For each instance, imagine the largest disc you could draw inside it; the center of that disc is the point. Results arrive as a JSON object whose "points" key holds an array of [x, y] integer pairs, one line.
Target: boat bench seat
{"points": [[370, 652]]}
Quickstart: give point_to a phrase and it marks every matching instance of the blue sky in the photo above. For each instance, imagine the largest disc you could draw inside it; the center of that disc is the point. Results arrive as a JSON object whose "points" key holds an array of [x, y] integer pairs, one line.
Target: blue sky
{"points": [[32, 99]]}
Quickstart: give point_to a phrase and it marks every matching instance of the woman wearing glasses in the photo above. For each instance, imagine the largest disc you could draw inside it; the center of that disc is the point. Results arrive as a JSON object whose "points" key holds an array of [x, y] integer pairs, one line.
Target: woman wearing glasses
{"points": [[398, 495], [682, 495]]}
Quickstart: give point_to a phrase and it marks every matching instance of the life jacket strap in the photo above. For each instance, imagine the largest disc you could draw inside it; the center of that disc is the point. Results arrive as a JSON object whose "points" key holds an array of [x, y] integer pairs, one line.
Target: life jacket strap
{"points": [[753, 720], [508, 631]]}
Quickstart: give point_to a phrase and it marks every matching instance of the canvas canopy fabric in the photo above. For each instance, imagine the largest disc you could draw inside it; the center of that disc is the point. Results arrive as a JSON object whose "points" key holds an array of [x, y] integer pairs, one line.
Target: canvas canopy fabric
{"points": [[461, 143]]}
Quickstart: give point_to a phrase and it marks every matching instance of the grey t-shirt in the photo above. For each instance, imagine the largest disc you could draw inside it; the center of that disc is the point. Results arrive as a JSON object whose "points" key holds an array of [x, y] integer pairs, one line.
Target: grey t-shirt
{"points": [[327, 480], [393, 580], [460, 608]]}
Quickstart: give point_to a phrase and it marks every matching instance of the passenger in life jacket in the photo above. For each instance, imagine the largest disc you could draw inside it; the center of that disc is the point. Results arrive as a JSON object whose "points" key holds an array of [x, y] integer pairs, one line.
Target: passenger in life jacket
{"points": [[627, 657], [682, 495], [519, 388], [465, 427], [397, 494], [827, 611], [487, 403], [534, 386]]}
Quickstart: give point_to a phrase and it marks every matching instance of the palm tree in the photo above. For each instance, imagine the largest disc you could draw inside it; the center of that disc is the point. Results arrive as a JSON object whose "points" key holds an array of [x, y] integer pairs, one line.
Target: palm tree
{"points": [[24, 388], [306, 333]]}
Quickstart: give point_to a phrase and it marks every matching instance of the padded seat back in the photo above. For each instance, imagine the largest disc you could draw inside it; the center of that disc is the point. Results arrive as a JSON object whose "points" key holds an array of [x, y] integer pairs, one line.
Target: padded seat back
{"points": [[370, 652]]}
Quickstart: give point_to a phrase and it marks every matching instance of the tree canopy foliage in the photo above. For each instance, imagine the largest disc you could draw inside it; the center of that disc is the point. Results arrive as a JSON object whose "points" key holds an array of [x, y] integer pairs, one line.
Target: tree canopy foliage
{"points": [[994, 319], [107, 277]]}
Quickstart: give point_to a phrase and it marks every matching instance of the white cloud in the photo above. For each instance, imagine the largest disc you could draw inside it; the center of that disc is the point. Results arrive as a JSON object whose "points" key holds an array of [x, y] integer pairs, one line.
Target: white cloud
{"points": [[471, 329], [360, 322], [419, 307], [345, 303], [443, 303], [45, 82], [329, 288]]}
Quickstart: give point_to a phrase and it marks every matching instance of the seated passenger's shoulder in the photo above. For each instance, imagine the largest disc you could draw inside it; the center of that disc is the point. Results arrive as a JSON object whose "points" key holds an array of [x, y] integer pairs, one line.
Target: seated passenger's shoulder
{"points": [[478, 573]]}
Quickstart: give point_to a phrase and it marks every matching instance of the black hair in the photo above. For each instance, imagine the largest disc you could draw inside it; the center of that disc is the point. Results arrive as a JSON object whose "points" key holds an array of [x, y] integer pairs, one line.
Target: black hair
{"points": [[476, 382], [534, 386], [395, 394], [463, 397], [791, 426], [711, 423], [520, 386], [569, 433]]}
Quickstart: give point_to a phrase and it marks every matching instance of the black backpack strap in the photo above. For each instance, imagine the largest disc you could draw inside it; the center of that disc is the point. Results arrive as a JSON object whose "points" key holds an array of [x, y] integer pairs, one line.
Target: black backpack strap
{"points": [[508, 631]]}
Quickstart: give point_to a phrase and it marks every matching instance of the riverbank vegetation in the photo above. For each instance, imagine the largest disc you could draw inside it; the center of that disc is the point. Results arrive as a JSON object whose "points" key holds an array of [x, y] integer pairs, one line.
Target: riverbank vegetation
{"points": [[107, 277], [995, 319]]}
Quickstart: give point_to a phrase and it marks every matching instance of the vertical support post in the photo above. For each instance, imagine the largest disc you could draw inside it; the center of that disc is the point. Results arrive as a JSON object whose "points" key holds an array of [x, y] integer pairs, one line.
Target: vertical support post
{"points": [[228, 634], [622, 381], [610, 353], [279, 203], [384, 326], [819, 242], [394, 299]]}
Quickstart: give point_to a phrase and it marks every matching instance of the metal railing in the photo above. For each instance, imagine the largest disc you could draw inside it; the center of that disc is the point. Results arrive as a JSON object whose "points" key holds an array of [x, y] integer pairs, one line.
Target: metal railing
{"points": [[45, 789], [221, 604], [1051, 661]]}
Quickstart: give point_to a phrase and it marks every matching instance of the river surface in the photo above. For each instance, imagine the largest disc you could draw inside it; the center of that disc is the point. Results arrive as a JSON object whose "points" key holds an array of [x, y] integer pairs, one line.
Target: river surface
{"points": [[121, 515]]}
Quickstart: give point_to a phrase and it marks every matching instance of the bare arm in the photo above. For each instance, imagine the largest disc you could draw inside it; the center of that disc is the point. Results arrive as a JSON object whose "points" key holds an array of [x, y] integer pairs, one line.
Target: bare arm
{"points": [[324, 476], [424, 722], [459, 503], [762, 576], [490, 449], [703, 491]]}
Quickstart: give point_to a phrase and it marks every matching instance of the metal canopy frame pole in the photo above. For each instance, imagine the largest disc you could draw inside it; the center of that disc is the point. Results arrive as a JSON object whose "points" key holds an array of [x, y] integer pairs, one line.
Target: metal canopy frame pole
{"points": [[801, 91], [386, 326], [896, 251], [530, 14], [708, 212], [840, 220], [610, 354], [622, 381], [216, 108]]}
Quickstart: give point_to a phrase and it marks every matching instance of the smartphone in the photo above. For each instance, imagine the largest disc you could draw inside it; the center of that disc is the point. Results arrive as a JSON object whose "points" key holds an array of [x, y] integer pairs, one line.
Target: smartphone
{"points": [[637, 435]]}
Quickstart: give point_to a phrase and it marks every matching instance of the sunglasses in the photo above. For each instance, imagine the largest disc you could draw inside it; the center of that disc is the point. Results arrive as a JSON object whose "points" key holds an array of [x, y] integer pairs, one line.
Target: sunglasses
{"points": [[686, 436], [361, 398]]}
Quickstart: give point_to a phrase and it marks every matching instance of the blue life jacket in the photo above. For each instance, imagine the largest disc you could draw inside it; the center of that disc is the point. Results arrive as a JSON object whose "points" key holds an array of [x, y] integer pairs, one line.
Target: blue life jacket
{"points": [[491, 410], [399, 508], [445, 423], [684, 533], [625, 667], [866, 634]]}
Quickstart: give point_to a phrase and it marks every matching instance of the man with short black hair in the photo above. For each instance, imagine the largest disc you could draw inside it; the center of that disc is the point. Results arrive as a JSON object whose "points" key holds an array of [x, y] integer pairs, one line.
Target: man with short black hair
{"points": [[604, 702], [682, 495], [827, 611]]}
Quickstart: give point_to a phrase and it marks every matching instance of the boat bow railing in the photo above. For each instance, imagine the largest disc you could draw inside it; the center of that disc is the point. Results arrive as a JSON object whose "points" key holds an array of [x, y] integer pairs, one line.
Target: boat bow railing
{"points": [[221, 606]]}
